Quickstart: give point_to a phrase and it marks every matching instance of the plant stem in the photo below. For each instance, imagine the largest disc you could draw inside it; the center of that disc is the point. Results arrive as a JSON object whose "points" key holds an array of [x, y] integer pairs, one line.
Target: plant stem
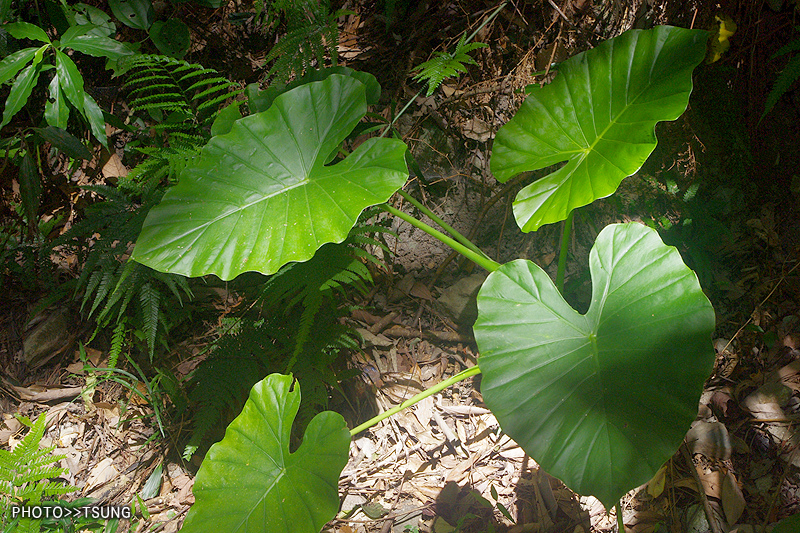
{"points": [[620, 523], [449, 229], [461, 376], [485, 22], [562, 256], [400, 114], [479, 259]]}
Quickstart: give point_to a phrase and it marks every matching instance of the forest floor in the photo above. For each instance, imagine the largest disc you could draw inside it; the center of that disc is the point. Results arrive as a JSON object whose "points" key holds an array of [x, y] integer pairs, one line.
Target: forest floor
{"points": [[445, 465]]}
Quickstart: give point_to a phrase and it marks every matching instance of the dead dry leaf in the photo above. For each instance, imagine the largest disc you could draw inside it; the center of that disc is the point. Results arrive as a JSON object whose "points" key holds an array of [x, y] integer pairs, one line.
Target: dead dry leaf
{"points": [[103, 472], [114, 168]]}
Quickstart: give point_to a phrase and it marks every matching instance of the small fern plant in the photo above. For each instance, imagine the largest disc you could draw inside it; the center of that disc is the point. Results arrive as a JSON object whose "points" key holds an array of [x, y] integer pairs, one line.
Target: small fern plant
{"points": [[787, 77], [332, 269], [296, 301], [312, 33], [124, 295], [256, 348], [182, 100], [28, 477], [445, 65]]}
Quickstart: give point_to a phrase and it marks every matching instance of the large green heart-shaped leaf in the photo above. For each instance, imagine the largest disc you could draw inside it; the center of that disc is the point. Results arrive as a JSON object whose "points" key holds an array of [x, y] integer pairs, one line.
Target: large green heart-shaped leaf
{"points": [[249, 482], [261, 195], [599, 400], [599, 116]]}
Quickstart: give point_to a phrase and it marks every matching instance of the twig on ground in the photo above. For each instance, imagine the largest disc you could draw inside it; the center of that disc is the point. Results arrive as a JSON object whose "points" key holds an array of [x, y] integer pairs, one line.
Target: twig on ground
{"points": [[712, 519]]}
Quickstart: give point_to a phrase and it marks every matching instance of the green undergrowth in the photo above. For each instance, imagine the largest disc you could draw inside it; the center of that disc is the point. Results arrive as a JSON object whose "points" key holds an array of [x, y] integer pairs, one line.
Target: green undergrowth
{"points": [[299, 327]]}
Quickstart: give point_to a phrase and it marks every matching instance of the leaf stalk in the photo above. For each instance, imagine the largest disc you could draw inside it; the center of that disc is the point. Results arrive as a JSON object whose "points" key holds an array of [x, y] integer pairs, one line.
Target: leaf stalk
{"points": [[461, 376]]}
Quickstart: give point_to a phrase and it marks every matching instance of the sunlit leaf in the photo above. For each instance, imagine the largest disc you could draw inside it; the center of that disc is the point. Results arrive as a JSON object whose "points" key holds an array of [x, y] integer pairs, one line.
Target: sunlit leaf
{"points": [[597, 116], [20, 91], [262, 196], [249, 482]]}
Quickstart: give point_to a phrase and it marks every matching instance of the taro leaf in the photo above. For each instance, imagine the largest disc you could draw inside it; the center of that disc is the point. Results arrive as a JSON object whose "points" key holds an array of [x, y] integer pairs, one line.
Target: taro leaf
{"points": [[261, 196], [599, 400], [260, 100], [225, 119], [171, 37], [250, 482], [599, 116]]}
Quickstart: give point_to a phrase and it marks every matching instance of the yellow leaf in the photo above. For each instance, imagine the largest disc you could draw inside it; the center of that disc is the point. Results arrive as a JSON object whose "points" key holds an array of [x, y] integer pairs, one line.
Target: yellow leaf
{"points": [[724, 28], [656, 485]]}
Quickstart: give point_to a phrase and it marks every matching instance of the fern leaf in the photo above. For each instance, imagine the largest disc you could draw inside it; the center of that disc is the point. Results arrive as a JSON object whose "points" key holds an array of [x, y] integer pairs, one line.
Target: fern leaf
{"points": [[787, 77], [149, 298], [301, 47], [158, 83], [117, 342], [311, 305], [26, 472], [107, 281], [446, 65]]}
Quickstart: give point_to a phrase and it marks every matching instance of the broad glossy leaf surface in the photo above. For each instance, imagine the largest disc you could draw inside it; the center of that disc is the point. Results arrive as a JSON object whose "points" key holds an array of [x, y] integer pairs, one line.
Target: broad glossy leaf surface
{"points": [[20, 91], [99, 46], [24, 30], [70, 79], [137, 14], [598, 116], [261, 196], [64, 141], [600, 400], [94, 115], [249, 482], [260, 100], [11, 65], [56, 110]]}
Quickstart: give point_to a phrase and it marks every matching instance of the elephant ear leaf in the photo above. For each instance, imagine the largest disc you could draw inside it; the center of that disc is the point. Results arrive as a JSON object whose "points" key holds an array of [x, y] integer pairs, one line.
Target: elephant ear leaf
{"points": [[598, 116], [599, 400], [249, 482], [261, 195]]}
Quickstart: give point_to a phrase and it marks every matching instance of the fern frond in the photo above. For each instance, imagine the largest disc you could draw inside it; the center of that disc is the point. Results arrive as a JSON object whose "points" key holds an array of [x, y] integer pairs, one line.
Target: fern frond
{"points": [[117, 342], [445, 65], [150, 299], [25, 472], [168, 85], [108, 281], [785, 80], [299, 49], [311, 306]]}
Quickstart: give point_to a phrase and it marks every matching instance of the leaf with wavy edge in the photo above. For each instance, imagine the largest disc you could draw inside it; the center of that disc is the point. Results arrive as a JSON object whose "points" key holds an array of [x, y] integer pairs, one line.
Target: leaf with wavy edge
{"points": [[261, 196], [249, 482], [599, 400], [598, 115]]}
